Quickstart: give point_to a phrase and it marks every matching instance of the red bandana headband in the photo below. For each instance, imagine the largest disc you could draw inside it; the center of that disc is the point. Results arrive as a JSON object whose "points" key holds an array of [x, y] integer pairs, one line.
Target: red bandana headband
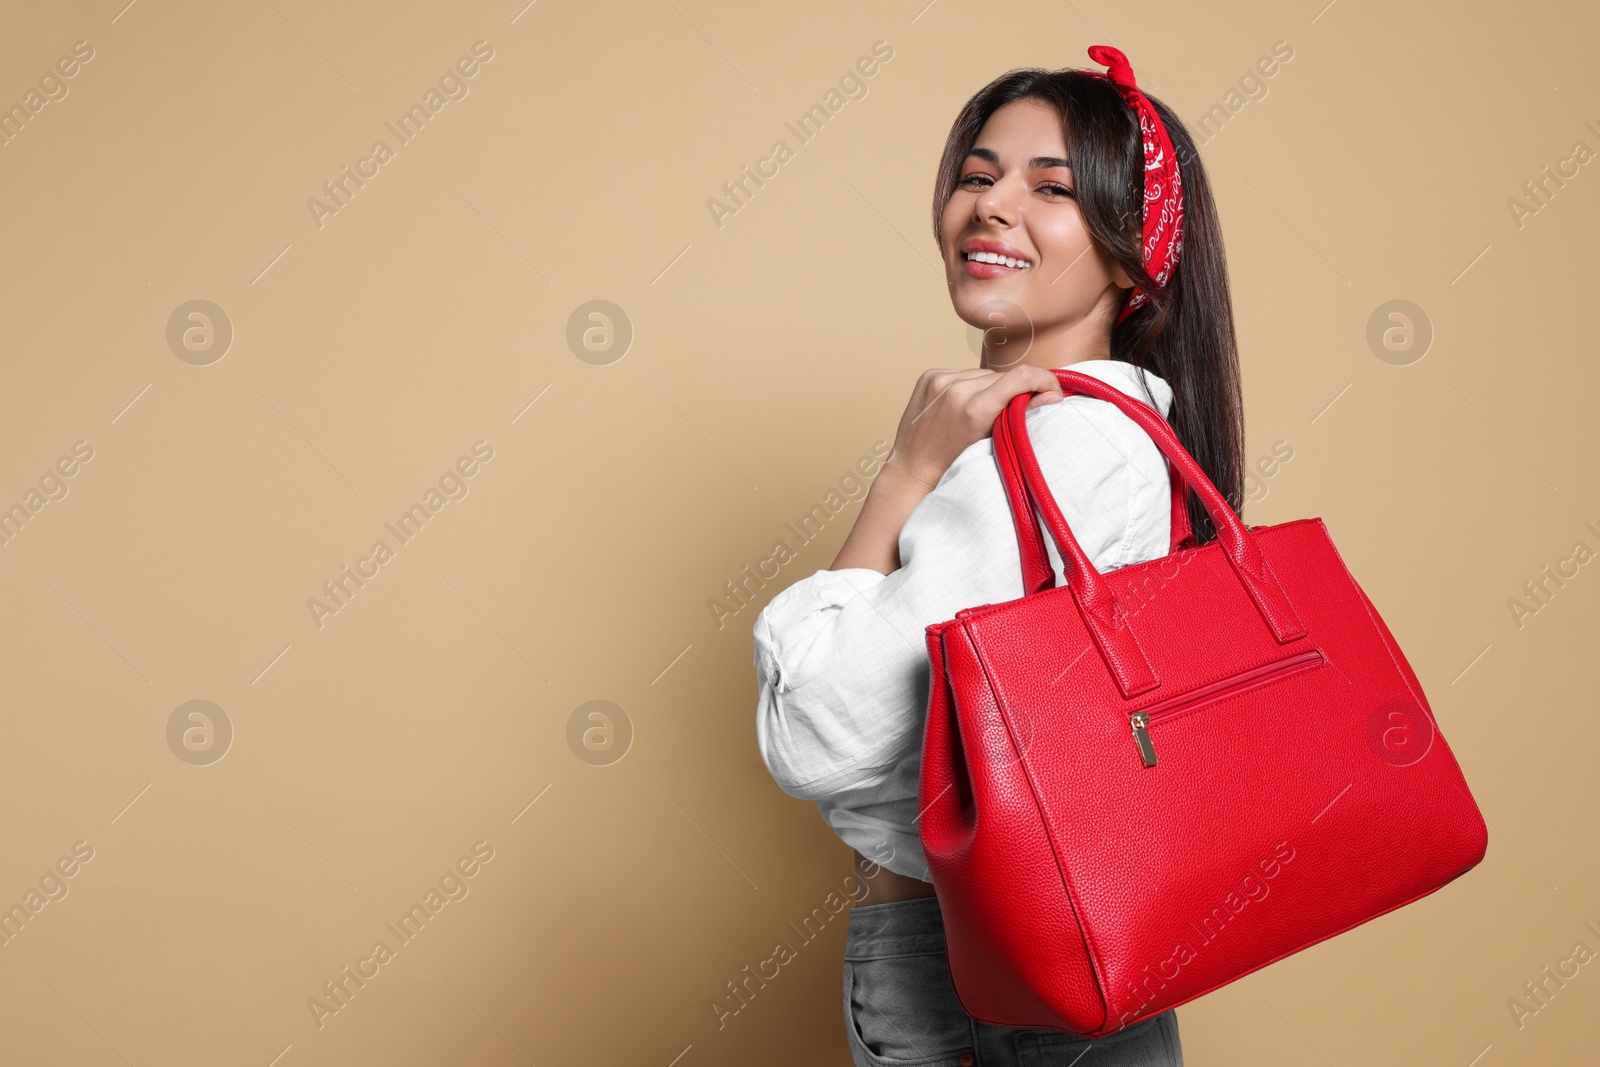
{"points": [[1163, 185]]}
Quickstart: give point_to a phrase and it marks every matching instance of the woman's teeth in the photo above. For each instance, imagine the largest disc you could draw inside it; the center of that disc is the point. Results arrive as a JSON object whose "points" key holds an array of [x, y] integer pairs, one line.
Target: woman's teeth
{"points": [[995, 257]]}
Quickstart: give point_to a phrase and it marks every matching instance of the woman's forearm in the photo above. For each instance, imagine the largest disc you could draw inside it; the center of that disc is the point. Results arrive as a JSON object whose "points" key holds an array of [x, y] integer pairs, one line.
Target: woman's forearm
{"points": [[874, 540], [949, 410]]}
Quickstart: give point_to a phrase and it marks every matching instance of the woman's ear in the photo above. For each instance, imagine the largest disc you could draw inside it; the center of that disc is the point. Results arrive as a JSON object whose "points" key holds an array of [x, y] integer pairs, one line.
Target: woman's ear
{"points": [[1119, 277], [1113, 267]]}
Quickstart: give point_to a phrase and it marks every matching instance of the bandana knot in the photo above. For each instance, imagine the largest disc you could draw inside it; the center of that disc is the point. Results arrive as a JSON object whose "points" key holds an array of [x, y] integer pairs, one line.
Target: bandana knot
{"points": [[1163, 183]]}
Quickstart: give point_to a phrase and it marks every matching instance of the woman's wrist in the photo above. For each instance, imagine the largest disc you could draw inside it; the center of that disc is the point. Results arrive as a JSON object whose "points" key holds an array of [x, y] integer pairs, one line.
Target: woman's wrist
{"points": [[874, 540], [906, 476]]}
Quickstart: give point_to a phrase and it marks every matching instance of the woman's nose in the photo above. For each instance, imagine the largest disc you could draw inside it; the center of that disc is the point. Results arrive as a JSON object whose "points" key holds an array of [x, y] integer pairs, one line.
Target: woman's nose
{"points": [[997, 204]]}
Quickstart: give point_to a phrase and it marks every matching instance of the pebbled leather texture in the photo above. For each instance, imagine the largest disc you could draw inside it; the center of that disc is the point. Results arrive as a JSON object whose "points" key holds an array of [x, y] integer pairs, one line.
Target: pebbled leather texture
{"points": [[1301, 785]]}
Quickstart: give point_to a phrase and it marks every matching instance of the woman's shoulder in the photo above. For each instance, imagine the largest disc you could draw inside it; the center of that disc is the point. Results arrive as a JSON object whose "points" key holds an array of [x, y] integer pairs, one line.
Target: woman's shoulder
{"points": [[1145, 386], [1079, 418], [1077, 433], [1079, 438], [1105, 471]]}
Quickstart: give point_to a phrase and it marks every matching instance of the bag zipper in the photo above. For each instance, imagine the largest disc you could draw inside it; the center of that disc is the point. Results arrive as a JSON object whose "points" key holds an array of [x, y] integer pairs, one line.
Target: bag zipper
{"points": [[1141, 721]]}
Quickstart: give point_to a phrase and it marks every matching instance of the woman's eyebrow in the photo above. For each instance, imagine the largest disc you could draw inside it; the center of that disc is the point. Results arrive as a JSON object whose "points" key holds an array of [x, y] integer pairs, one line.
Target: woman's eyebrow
{"points": [[1036, 163]]}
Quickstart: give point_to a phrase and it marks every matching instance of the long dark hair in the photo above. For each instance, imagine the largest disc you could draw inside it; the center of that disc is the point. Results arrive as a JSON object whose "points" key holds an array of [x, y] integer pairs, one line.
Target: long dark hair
{"points": [[1184, 333]]}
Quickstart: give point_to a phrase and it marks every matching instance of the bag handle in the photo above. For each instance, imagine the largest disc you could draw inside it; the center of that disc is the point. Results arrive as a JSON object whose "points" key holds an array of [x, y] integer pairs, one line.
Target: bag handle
{"points": [[1102, 614], [1037, 572]]}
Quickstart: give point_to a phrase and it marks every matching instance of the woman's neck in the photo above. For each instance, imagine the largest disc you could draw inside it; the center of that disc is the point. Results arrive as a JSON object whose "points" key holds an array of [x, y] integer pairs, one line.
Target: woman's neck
{"points": [[1062, 349], [1057, 344]]}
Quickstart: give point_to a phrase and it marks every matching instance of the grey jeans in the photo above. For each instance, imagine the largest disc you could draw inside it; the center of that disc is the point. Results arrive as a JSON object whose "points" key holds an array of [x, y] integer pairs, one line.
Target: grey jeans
{"points": [[901, 1010]]}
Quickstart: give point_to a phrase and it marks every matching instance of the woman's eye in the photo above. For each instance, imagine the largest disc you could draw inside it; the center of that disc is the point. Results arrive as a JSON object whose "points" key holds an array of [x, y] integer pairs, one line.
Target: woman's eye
{"points": [[980, 181]]}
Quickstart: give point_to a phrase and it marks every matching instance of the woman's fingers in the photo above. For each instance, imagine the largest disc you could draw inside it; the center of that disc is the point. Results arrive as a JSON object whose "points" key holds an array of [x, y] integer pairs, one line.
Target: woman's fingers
{"points": [[951, 408], [1042, 399], [1024, 378], [937, 384]]}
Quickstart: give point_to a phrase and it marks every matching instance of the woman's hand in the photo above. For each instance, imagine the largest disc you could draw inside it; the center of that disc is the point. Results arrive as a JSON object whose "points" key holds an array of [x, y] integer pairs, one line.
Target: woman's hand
{"points": [[949, 410]]}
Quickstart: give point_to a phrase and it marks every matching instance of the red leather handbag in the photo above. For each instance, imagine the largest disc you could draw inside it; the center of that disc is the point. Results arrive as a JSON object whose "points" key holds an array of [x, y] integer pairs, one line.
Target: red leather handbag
{"points": [[1142, 785]]}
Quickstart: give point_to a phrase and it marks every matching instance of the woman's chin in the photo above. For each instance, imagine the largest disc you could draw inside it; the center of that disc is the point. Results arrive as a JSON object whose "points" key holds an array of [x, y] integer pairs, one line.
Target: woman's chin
{"points": [[988, 307]]}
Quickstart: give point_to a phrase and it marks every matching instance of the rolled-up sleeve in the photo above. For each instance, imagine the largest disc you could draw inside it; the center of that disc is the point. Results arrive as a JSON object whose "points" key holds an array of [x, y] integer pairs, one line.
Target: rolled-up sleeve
{"points": [[842, 657], [803, 726], [843, 654], [797, 617]]}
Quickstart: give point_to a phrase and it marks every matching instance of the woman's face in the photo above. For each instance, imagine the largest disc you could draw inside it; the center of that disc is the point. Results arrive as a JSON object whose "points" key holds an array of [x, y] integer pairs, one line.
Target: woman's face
{"points": [[1014, 197]]}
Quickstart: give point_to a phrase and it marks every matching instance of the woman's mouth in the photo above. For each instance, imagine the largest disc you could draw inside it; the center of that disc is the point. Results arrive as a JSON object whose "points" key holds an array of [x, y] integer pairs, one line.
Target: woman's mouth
{"points": [[993, 264]]}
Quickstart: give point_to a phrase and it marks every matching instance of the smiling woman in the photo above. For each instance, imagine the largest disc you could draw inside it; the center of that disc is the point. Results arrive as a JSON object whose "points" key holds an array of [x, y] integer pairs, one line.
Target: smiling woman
{"points": [[1061, 236], [1008, 184], [1080, 207]]}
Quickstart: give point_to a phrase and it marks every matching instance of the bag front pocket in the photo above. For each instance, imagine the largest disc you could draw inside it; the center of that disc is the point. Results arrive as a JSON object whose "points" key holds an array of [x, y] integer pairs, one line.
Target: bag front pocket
{"points": [[1213, 693]]}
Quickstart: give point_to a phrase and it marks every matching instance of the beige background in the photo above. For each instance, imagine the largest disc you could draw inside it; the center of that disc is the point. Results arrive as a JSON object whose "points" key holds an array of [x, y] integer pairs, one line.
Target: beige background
{"points": [[432, 711]]}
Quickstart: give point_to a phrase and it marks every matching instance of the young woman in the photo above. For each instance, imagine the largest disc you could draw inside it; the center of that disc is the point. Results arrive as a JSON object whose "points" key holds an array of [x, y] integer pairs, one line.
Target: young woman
{"points": [[1077, 236]]}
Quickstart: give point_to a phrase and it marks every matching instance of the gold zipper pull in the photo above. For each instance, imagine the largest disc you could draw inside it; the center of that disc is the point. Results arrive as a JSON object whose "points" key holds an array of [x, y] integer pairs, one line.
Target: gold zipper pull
{"points": [[1140, 720]]}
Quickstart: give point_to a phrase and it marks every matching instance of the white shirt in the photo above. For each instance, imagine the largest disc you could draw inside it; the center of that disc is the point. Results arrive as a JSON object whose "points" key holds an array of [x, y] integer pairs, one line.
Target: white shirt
{"points": [[842, 657]]}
